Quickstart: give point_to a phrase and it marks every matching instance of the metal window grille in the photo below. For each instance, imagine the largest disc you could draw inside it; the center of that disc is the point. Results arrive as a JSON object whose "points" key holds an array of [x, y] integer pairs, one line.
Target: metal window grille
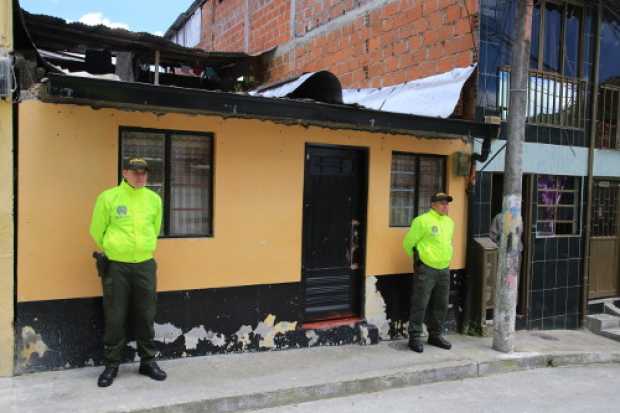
{"points": [[605, 208], [180, 171], [607, 130], [414, 178], [558, 205], [552, 99]]}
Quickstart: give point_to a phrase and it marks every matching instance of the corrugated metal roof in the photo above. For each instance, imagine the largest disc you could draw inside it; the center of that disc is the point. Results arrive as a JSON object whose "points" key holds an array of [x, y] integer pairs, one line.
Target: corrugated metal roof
{"points": [[434, 96]]}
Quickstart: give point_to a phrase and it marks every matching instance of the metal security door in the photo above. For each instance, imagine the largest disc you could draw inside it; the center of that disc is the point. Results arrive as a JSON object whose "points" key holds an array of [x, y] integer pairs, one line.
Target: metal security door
{"points": [[333, 232], [605, 240]]}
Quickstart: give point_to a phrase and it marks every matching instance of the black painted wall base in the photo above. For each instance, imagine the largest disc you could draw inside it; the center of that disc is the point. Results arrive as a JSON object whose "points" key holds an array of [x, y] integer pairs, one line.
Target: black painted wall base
{"points": [[62, 334], [396, 293]]}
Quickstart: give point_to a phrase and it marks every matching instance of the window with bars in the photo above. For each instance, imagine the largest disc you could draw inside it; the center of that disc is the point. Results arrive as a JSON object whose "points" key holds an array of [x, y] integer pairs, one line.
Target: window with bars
{"points": [[414, 179], [558, 205], [181, 172], [557, 85]]}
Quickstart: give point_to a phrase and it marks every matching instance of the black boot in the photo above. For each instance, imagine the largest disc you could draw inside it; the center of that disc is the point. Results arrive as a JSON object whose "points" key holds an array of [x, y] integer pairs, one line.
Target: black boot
{"points": [[107, 377], [416, 344], [439, 341], [152, 370]]}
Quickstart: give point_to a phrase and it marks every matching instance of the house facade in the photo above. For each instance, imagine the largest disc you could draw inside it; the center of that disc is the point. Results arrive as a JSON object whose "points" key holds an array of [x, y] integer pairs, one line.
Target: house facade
{"points": [[283, 217], [571, 158]]}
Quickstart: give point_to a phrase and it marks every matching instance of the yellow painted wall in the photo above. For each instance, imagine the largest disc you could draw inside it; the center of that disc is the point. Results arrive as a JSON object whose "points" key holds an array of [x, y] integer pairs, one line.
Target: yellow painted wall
{"points": [[68, 154], [7, 257]]}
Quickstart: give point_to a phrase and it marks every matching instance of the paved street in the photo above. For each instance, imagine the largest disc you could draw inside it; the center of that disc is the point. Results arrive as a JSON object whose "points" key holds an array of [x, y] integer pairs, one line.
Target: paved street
{"points": [[566, 389]]}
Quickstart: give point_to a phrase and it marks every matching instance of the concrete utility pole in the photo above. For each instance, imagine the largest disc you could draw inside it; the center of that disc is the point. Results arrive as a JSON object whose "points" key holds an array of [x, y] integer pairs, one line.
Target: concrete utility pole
{"points": [[509, 252]]}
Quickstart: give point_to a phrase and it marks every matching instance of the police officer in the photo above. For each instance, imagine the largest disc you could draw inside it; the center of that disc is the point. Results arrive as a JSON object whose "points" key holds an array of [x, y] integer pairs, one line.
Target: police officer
{"points": [[125, 225], [429, 241]]}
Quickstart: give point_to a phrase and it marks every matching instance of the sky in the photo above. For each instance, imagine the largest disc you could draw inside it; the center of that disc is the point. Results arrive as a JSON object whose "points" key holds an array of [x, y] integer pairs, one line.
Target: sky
{"points": [[153, 16]]}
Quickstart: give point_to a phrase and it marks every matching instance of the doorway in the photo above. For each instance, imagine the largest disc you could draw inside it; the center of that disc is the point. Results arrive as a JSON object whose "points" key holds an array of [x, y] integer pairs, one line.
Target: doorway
{"points": [[334, 231], [605, 240]]}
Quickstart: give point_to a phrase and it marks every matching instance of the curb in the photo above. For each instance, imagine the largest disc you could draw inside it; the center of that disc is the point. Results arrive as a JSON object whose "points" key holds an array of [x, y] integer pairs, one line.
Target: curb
{"points": [[412, 376]]}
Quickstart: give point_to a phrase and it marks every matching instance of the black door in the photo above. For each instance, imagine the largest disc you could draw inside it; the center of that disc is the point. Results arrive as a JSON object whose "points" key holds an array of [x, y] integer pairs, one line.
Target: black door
{"points": [[333, 232]]}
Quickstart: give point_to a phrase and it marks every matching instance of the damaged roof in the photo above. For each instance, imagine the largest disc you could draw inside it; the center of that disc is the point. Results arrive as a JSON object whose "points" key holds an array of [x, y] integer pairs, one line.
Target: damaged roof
{"points": [[100, 93], [56, 34]]}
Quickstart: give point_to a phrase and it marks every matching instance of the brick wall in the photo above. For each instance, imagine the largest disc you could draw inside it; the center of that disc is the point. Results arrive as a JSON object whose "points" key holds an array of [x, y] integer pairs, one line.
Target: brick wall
{"points": [[269, 24], [223, 25], [399, 41], [311, 14], [396, 41]]}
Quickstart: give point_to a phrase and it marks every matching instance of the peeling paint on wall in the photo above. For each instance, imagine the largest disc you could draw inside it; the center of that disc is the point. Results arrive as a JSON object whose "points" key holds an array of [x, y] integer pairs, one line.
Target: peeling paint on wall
{"points": [[312, 337], [375, 309], [267, 330], [193, 336], [31, 344], [243, 335], [216, 339], [176, 335], [167, 333]]}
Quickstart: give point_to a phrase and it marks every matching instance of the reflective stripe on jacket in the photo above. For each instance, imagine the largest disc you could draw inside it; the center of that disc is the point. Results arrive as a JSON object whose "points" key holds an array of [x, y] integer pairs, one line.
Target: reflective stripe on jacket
{"points": [[431, 235], [126, 222]]}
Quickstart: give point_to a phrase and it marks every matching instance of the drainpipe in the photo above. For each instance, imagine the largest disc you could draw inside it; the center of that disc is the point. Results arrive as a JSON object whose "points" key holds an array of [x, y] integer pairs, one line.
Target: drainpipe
{"points": [[588, 223]]}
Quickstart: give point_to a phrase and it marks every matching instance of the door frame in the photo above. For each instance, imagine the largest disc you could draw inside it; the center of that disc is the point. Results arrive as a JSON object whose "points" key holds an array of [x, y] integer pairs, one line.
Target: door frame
{"points": [[364, 176]]}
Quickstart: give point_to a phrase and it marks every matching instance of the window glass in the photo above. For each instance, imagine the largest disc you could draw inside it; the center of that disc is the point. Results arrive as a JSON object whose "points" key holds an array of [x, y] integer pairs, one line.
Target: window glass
{"points": [[180, 171], [403, 191], [571, 49], [414, 179], [552, 41], [190, 185]]}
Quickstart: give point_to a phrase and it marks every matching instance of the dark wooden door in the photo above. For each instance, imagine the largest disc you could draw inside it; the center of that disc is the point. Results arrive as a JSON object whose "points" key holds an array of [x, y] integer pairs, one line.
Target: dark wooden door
{"points": [[333, 231]]}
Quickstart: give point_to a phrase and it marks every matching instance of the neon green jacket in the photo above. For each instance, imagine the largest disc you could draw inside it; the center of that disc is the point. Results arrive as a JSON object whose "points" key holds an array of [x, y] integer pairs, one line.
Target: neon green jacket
{"points": [[126, 222], [431, 235]]}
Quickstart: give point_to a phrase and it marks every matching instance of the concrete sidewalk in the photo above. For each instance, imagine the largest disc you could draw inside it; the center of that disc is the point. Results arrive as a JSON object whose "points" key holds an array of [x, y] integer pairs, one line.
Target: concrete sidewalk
{"points": [[236, 382]]}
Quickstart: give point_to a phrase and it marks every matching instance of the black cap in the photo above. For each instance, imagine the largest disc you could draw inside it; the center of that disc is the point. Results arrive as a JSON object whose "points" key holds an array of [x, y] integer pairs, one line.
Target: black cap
{"points": [[441, 196], [136, 164]]}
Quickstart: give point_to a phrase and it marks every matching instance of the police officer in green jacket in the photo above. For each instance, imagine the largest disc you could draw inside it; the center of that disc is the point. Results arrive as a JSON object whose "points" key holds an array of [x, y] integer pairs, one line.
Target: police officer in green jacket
{"points": [[125, 225], [429, 242]]}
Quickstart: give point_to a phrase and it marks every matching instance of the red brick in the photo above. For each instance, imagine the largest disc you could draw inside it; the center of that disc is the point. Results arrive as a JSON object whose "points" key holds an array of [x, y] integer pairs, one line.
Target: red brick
{"points": [[442, 4], [464, 59], [430, 37], [436, 52], [429, 7], [460, 44], [435, 20], [401, 47], [391, 9], [446, 64], [453, 13], [391, 64]]}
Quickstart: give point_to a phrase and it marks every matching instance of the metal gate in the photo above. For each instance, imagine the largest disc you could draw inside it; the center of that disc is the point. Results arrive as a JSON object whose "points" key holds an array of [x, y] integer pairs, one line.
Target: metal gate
{"points": [[605, 240]]}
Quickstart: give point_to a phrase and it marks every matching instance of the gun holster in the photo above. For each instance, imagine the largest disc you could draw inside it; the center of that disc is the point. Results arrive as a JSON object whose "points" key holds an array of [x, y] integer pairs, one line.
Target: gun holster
{"points": [[101, 262], [416, 261]]}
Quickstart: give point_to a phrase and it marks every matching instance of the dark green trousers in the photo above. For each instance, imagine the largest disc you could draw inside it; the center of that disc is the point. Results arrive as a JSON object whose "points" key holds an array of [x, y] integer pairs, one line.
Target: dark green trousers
{"points": [[429, 300], [129, 294]]}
